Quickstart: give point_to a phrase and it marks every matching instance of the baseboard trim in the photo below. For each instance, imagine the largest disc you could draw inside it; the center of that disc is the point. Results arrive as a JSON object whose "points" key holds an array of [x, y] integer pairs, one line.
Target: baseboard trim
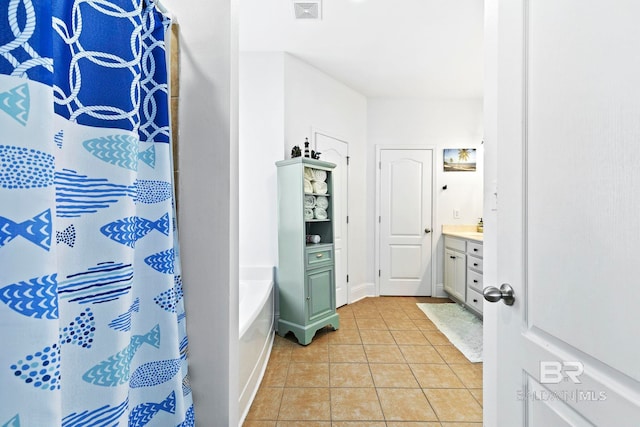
{"points": [[363, 290], [439, 291]]}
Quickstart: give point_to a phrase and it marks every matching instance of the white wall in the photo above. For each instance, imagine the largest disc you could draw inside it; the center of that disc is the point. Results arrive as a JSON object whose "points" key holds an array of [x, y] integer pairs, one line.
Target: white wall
{"points": [[262, 124], [439, 123], [208, 217], [316, 100]]}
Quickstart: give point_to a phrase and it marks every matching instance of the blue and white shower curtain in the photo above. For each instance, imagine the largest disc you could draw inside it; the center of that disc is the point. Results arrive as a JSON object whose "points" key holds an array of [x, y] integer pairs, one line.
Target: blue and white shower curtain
{"points": [[92, 321]]}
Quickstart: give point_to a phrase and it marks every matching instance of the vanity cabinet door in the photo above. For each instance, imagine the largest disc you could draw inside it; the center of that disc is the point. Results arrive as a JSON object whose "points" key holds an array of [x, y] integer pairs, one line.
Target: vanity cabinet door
{"points": [[455, 273]]}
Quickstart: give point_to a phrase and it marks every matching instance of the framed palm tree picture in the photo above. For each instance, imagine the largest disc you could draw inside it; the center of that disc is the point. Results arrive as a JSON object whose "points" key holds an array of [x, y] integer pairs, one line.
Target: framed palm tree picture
{"points": [[459, 159]]}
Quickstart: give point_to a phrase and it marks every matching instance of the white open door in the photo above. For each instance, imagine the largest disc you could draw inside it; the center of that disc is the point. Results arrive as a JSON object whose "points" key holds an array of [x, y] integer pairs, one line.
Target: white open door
{"points": [[568, 140], [405, 181], [336, 151]]}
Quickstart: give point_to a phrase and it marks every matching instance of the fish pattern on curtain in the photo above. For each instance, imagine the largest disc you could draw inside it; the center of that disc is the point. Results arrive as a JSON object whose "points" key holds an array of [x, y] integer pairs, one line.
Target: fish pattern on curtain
{"points": [[92, 321]]}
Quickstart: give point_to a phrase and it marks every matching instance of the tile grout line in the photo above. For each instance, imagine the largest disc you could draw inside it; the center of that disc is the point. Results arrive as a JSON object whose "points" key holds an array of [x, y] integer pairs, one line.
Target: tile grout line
{"points": [[284, 386], [369, 368], [374, 309], [416, 379]]}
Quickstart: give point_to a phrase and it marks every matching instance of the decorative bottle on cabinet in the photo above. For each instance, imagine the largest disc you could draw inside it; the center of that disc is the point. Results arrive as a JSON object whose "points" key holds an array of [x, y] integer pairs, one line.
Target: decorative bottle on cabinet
{"points": [[306, 280]]}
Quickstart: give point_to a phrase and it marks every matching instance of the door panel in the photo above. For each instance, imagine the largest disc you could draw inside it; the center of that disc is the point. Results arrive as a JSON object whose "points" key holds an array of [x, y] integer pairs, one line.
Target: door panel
{"points": [[547, 412], [568, 108], [405, 213], [406, 176], [406, 261], [321, 288], [595, 168], [336, 151]]}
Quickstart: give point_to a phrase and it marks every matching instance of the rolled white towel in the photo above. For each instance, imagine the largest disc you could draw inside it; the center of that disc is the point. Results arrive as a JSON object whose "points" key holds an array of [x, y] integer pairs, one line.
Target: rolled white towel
{"points": [[308, 188], [321, 202], [310, 201], [320, 213], [319, 187], [319, 175], [308, 214], [313, 238], [308, 174]]}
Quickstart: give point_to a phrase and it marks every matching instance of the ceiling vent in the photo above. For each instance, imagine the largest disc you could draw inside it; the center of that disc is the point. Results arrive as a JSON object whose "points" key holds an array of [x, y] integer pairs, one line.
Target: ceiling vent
{"points": [[307, 9]]}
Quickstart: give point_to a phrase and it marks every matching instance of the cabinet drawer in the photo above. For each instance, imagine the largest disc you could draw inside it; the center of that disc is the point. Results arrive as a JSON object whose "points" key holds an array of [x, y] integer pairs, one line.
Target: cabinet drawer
{"points": [[474, 263], [475, 249], [317, 256], [474, 299], [455, 244], [474, 280]]}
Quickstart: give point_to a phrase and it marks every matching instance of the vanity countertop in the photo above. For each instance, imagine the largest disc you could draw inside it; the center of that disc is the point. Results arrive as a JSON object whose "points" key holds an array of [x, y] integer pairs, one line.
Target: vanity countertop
{"points": [[463, 231]]}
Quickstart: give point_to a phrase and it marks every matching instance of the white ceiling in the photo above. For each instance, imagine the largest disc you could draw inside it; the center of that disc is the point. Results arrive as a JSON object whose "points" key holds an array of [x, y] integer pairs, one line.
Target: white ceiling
{"points": [[380, 48]]}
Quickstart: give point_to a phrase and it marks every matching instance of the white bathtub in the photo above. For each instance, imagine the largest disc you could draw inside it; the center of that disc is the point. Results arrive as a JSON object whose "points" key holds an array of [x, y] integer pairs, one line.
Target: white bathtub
{"points": [[256, 317]]}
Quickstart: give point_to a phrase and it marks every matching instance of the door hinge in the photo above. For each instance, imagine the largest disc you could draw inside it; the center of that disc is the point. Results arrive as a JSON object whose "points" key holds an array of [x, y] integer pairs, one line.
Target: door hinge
{"points": [[379, 219], [347, 219], [379, 165], [347, 278], [348, 160], [379, 273]]}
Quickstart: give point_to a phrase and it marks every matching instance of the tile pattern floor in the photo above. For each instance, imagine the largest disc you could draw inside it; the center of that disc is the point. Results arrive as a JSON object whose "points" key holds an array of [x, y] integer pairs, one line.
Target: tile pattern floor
{"points": [[387, 366]]}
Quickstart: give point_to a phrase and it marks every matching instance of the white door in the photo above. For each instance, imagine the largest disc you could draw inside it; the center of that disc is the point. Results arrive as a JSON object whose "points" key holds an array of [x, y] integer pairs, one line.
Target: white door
{"points": [[405, 221], [568, 111], [336, 151]]}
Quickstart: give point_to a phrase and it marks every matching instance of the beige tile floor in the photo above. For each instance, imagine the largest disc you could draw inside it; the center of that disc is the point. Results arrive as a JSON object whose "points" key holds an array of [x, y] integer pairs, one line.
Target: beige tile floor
{"points": [[387, 366]]}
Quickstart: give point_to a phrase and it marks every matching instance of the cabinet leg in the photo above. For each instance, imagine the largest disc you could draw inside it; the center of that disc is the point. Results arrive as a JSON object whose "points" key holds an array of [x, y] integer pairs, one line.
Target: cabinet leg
{"points": [[305, 334]]}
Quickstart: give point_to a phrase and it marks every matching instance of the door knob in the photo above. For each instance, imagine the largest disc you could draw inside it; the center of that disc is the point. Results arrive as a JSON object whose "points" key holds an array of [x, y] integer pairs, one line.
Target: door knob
{"points": [[505, 293], [427, 230]]}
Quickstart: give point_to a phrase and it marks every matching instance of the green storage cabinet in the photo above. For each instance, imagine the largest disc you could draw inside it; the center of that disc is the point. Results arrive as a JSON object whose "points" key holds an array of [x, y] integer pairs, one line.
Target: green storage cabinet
{"points": [[306, 274]]}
